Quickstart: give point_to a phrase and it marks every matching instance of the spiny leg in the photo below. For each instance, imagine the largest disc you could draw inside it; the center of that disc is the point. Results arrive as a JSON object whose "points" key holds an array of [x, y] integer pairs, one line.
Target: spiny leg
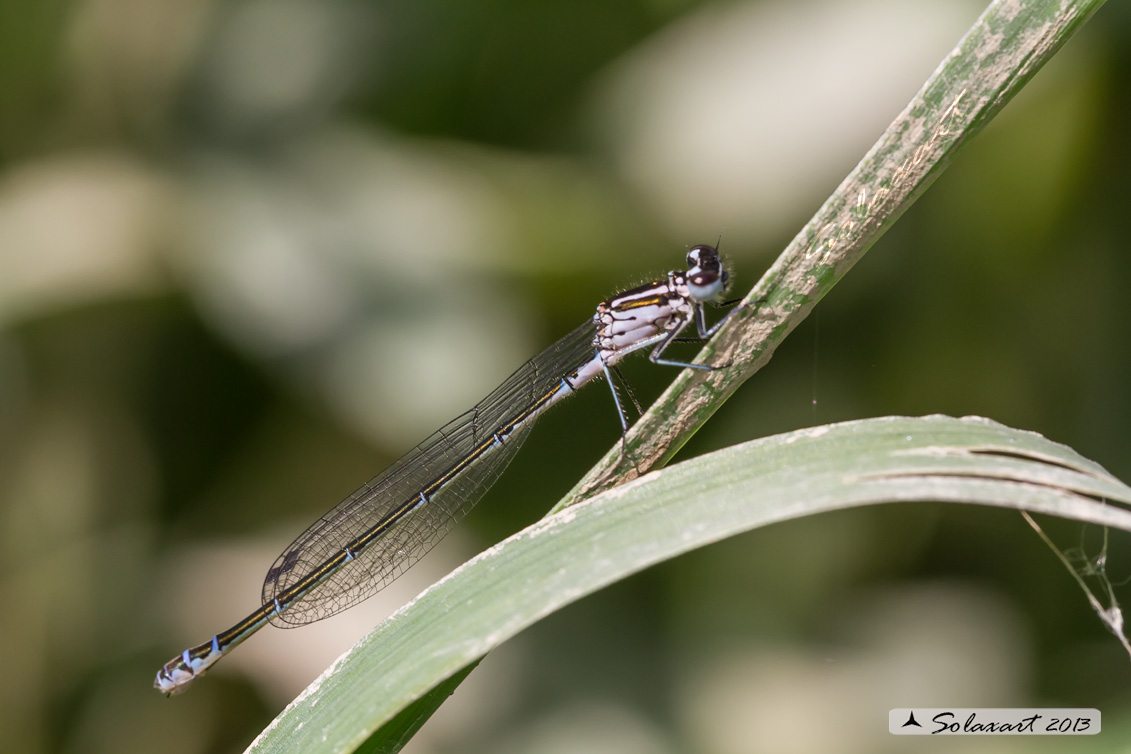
{"points": [[628, 389], [620, 412], [657, 353]]}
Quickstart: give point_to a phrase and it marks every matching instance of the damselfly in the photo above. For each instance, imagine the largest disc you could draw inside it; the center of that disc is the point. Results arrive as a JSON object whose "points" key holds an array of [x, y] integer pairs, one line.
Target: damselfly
{"points": [[376, 533]]}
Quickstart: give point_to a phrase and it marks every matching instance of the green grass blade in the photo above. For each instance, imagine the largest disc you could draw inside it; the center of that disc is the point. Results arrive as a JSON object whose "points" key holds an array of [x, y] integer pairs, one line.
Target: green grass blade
{"points": [[1004, 48], [587, 546], [396, 733]]}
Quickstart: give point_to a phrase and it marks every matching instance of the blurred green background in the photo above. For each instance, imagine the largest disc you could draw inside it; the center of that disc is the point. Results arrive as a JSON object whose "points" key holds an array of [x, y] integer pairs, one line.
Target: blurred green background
{"points": [[252, 251]]}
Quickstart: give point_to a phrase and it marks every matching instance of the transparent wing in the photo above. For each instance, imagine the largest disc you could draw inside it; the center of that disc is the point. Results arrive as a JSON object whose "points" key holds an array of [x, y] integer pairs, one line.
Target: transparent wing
{"points": [[381, 502]]}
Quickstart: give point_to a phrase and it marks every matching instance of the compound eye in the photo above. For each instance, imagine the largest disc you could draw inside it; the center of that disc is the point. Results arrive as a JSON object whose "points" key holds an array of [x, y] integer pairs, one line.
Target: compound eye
{"points": [[702, 256]]}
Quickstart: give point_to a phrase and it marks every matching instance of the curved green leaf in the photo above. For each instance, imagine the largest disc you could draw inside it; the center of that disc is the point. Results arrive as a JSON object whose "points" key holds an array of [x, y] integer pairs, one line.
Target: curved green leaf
{"points": [[592, 544]]}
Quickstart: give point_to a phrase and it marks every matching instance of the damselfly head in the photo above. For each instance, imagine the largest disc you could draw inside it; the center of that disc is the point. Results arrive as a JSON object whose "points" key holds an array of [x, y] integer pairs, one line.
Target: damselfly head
{"points": [[706, 278]]}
